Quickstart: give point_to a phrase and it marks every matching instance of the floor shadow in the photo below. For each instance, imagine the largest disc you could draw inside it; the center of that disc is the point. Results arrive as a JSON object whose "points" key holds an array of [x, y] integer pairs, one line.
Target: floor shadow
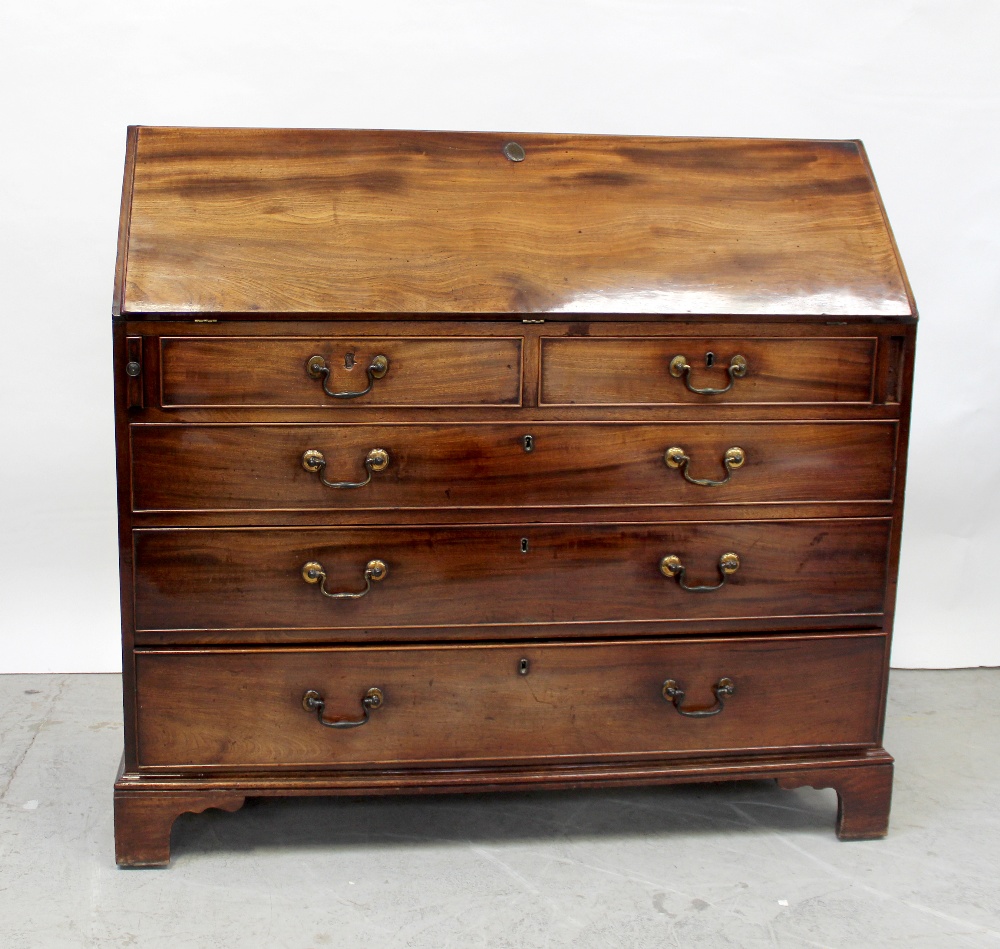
{"points": [[506, 818]]}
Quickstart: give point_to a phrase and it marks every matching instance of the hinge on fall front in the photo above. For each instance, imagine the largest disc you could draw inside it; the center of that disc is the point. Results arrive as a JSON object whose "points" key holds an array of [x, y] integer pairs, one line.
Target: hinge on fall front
{"points": [[532, 321]]}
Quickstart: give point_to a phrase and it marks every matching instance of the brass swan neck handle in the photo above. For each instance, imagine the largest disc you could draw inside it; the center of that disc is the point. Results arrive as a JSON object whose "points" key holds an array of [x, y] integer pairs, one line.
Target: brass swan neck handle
{"points": [[373, 699], [314, 461], [678, 458], [672, 692], [681, 369], [313, 572], [671, 566], [317, 368]]}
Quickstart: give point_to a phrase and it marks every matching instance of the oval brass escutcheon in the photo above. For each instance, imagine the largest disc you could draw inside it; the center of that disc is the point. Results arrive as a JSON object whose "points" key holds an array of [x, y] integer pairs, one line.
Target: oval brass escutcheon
{"points": [[313, 572], [728, 563], [513, 152], [313, 460], [378, 459], [669, 566]]}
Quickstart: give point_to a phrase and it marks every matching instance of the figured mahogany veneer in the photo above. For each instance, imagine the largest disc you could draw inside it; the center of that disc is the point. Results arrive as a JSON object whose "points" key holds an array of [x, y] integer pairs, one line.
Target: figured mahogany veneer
{"points": [[469, 705], [521, 476], [243, 221], [447, 465], [458, 582], [632, 371], [254, 372]]}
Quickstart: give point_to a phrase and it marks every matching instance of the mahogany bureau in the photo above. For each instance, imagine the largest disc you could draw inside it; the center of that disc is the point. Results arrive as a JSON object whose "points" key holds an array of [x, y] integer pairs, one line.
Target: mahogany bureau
{"points": [[453, 462]]}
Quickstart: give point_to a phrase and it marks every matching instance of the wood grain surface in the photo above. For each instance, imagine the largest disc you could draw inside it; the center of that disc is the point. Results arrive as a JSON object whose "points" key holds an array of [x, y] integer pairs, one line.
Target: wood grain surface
{"points": [[269, 221], [470, 704], [461, 465], [636, 371], [541, 298], [228, 371], [479, 578]]}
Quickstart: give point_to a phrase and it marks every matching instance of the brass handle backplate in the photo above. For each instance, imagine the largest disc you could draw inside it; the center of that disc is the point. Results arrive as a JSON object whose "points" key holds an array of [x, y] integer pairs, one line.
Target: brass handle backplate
{"points": [[317, 368], [731, 460], [671, 566], [313, 572], [680, 369], [315, 461], [672, 692], [373, 699]]}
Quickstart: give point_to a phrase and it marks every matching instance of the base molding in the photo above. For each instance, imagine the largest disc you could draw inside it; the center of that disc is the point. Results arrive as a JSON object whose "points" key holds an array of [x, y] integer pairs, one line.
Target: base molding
{"points": [[146, 805]]}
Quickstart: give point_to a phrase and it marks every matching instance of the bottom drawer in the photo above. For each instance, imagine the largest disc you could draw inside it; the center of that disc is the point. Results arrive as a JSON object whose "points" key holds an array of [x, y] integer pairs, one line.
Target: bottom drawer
{"points": [[227, 709]]}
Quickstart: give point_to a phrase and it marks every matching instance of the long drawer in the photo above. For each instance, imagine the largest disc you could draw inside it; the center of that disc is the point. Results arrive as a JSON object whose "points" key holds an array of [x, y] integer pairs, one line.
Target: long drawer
{"points": [[339, 372], [504, 703], [457, 580], [254, 467], [651, 370]]}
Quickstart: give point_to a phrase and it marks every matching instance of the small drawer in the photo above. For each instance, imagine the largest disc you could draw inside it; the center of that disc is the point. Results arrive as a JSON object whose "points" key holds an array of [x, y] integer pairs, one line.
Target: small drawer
{"points": [[479, 582], [508, 465], [339, 373], [486, 704], [719, 370]]}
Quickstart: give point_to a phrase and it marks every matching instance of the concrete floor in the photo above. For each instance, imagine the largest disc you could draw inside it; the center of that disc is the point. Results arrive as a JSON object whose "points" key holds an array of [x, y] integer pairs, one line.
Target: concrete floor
{"points": [[726, 865]]}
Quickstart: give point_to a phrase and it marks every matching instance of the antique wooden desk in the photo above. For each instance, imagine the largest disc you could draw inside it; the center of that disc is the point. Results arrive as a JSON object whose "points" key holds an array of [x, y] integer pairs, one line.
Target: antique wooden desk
{"points": [[457, 462]]}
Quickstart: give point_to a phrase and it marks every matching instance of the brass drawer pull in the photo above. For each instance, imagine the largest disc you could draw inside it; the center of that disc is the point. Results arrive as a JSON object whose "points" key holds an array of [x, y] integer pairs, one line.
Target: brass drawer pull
{"points": [[679, 369], [671, 566], [318, 369], [315, 461], [312, 701], [731, 460], [672, 692], [313, 572]]}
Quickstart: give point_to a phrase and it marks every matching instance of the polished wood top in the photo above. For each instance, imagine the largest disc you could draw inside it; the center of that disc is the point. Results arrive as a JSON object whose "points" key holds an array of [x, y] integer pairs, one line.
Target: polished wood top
{"points": [[256, 222]]}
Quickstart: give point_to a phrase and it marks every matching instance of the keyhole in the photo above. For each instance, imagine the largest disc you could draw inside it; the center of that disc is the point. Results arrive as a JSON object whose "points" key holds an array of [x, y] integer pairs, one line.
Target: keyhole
{"points": [[522, 667], [529, 442], [524, 545], [709, 359], [349, 361]]}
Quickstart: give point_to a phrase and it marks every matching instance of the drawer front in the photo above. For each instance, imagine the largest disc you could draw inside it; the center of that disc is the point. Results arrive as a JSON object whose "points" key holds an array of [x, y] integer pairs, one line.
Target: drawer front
{"points": [[256, 371], [443, 579], [254, 467], [623, 371], [505, 703]]}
